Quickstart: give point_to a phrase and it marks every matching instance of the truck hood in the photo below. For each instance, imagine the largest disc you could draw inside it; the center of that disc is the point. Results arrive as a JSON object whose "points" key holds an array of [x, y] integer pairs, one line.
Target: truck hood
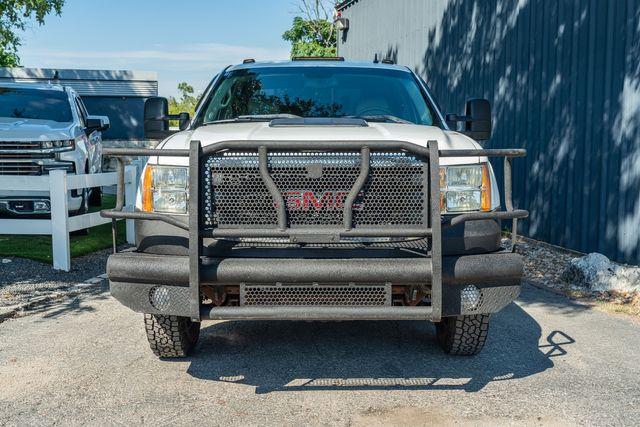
{"points": [[12, 129], [416, 134]]}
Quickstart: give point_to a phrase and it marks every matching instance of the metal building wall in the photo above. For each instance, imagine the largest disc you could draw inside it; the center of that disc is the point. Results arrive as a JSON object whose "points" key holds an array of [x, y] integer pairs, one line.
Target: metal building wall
{"points": [[563, 77]]}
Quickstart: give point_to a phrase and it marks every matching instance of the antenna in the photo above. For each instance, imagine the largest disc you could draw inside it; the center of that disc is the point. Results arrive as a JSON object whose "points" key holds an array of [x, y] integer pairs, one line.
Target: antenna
{"points": [[375, 59]]}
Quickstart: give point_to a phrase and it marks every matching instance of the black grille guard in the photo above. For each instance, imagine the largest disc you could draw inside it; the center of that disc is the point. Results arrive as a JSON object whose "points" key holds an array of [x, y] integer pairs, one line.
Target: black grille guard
{"points": [[196, 153]]}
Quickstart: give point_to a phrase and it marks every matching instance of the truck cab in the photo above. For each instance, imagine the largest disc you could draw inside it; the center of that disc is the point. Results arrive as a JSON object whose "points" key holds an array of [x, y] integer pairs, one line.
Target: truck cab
{"points": [[45, 127], [318, 190]]}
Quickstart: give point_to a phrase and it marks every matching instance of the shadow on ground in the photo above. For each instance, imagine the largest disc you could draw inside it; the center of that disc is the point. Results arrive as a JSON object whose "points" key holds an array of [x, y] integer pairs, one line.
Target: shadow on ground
{"points": [[288, 356]]}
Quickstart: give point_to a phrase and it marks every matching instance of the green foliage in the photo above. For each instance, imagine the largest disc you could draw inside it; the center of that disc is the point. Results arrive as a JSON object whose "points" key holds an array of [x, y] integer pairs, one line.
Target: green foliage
{"points": [[14, 16], [186, 103], [311, 37]]}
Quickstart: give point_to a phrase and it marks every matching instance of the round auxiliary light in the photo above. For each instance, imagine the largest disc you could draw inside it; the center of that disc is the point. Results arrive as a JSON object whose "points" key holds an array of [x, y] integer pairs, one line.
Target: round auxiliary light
{"points": [[470, 298], [159, 297]]}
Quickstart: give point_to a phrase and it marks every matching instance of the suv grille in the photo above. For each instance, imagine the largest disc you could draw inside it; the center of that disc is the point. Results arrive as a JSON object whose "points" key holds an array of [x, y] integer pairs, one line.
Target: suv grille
{"points": [[315, 186], [317, 295]]}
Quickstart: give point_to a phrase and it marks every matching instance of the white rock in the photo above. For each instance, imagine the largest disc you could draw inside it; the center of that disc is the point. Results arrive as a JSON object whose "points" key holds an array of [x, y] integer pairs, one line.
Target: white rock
{"points": [[596, 272], [6, 260]]}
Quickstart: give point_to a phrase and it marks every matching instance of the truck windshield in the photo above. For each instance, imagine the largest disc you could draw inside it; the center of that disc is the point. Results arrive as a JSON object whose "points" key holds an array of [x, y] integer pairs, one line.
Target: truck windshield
{"points": [[369, 93], [22, 103]]}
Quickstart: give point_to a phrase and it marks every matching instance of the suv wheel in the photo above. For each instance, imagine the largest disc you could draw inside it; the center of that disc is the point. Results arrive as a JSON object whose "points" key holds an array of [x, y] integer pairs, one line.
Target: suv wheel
{"points": [[463, 335], [171, 336]]}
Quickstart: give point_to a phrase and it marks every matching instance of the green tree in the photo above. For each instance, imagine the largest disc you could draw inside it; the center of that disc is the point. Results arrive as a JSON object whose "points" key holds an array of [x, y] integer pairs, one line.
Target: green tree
{"points": [[185, 103], [312, 34], [14, 17]]}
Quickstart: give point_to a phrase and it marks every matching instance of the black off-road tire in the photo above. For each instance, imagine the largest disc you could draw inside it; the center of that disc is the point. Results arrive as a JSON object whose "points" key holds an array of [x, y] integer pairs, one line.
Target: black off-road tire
{"points": [[463, 335], [171, 336], [95, 197]]}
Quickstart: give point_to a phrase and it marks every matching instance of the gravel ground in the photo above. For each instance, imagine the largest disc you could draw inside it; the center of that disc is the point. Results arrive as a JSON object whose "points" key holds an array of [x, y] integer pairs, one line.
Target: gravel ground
{"points": [[548, 361], [22, 279], [544, 264]]}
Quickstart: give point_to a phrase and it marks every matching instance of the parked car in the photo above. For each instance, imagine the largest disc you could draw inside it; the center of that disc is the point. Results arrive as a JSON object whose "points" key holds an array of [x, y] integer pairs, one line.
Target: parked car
{"points": [[318, 190], [45, 127]]}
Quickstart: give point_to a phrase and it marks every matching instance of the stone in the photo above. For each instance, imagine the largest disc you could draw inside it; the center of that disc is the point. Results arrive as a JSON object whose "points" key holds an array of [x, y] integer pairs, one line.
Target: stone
{"points": [[595, 272]]}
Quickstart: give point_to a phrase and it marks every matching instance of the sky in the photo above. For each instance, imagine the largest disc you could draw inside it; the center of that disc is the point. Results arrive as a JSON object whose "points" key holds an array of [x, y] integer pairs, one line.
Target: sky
{"points": [[188, 40]]}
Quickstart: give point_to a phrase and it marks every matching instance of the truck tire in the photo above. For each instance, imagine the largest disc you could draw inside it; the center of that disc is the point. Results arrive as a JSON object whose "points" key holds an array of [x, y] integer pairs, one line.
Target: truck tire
{"points": [[171, 336], [95, 197], [463, 335]]}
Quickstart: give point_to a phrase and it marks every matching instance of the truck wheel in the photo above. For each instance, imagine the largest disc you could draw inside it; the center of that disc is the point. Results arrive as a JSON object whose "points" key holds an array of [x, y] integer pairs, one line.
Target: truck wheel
{"points": [[95, 197], [171, 336], [463, 335]]}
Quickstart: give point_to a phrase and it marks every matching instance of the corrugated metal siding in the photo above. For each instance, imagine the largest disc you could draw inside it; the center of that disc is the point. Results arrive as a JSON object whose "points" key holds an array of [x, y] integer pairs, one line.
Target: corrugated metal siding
{"points": [[564, 80], [90, 82]]}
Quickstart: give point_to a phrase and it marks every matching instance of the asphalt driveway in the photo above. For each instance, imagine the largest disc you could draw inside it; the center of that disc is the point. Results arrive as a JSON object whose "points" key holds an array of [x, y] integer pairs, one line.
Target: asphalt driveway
{"points": [[548, 361]]}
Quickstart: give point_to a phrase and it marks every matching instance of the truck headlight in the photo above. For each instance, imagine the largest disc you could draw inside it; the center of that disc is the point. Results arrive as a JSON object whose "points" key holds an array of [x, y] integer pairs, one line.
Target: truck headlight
{"points": [[165, 189], [59, 145], [465, 188]]}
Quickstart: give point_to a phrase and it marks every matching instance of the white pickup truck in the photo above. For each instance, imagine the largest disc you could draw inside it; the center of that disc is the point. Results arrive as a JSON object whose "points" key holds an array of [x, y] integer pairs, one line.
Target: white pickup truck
{"points": [[317, 190], [45, 127]]}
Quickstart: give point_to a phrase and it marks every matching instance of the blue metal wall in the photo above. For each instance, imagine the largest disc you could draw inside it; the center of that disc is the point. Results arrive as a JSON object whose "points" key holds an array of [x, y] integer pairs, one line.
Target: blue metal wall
{"points": [[563, 77]]}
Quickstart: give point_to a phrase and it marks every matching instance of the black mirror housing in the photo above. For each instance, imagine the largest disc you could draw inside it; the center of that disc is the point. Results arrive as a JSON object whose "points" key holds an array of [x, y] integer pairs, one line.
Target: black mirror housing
{"points": [[156, 118], [156, 126], [477, 119], [97, 123]]}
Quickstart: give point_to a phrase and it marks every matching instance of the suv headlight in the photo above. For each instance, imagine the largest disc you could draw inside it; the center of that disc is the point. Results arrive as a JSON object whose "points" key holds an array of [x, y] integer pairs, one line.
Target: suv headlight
{"points": [[465, 188], [165, 189]]}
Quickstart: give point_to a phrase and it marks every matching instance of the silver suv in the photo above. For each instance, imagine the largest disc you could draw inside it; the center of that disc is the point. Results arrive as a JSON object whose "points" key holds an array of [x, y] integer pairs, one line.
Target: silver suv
{"points": [[45, 127]]}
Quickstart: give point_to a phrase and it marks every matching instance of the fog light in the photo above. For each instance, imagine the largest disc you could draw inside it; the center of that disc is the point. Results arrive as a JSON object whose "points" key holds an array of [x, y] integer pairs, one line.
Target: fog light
{"points": [[159, 297], [41, 206], [470, 298]]}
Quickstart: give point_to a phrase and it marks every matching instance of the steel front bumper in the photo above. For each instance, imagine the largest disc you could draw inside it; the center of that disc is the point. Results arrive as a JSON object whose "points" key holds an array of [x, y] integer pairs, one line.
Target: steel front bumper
{"points": [[134, 277]]}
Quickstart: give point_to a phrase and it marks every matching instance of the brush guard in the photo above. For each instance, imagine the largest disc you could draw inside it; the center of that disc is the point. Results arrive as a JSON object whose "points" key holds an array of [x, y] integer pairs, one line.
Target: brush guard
{"points": [[200, 270]]}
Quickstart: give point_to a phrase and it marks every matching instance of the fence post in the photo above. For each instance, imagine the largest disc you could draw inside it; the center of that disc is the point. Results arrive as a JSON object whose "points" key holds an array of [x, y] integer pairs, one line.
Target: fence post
{"points": [[59, 220], [131, 186]]}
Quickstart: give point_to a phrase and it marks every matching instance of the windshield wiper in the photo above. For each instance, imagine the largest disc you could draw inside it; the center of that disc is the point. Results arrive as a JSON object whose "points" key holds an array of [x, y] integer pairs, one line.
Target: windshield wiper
{"points": [[254, 118], [382, 118]]}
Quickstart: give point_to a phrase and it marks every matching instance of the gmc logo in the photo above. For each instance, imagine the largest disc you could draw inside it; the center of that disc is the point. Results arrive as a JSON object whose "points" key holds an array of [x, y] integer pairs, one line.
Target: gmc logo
{"points": [[308, 200]]}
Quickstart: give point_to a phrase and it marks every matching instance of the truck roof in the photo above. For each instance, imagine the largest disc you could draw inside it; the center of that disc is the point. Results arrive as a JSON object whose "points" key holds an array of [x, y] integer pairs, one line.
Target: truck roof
{"points": [[318, 63]]}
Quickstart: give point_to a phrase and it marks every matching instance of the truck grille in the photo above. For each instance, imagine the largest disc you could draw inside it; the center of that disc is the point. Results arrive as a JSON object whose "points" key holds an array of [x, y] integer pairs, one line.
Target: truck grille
{"points": [[316, 295], [20, 168], [19, 145], [314, 186], [22, 150]]}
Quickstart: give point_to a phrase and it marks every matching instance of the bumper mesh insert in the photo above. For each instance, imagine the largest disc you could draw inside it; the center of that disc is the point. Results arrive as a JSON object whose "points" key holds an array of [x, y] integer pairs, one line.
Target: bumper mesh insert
{"points": [[315, 295]]}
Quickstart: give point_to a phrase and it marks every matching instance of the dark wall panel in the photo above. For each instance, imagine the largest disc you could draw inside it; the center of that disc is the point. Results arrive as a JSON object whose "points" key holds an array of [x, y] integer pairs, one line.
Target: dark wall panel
{"points": [[564, 80], [126, 115]]}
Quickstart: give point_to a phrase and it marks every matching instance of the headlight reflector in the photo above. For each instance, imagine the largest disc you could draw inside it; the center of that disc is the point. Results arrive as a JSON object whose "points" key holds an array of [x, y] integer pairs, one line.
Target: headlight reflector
{"points": [[165, 189], [464, 176], [465, 188], [461, 201]]}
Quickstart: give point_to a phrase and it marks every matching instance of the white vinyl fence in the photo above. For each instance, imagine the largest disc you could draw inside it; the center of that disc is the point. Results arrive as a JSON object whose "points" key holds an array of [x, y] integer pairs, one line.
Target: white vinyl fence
{"points": [[58, 184]]}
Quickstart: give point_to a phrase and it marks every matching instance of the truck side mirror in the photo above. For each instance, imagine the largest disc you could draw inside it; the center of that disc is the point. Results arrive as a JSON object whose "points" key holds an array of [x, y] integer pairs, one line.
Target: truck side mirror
{"points": [[97, 123], [156, 126], [157, 117], [477, 119]]}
